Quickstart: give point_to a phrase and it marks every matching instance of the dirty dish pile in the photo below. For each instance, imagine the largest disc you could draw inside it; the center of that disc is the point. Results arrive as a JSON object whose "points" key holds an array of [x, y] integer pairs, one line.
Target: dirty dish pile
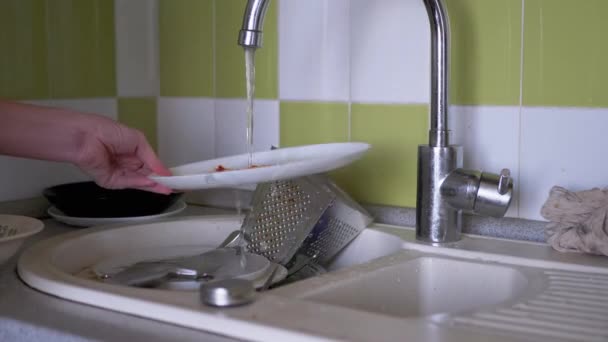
{"points": [[87, 199], [77, 221], [86, 204]]}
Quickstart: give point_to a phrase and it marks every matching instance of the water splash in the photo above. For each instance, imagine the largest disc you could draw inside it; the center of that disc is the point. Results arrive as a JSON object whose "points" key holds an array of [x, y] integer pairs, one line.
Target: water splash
{"points": [[238, 204], [241, 247]]}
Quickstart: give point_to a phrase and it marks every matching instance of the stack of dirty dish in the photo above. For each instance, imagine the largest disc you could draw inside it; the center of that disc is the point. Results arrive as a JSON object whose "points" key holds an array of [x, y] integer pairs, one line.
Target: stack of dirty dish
{"points": [[85, 204]]}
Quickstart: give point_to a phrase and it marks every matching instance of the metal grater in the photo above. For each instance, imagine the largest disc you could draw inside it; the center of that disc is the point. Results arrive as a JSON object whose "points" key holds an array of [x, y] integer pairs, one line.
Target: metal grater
{"points": [[338, 226], [282, 215], [308, 216]]}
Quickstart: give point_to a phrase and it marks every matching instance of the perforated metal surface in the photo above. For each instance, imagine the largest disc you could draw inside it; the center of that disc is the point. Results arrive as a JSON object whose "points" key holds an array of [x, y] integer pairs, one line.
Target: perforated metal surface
{"points": [[340, 224], [282, 215], [331, 240], [309, 216]]}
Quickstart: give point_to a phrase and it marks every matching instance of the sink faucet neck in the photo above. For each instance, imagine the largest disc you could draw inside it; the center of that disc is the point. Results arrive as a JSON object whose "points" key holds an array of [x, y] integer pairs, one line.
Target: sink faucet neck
{"points": [[440, 65]]}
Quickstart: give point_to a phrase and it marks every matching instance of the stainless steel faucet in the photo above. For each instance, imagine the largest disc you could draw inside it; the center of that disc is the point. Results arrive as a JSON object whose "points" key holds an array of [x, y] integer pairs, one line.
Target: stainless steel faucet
{"points": [[250, 35], [445, 190]]}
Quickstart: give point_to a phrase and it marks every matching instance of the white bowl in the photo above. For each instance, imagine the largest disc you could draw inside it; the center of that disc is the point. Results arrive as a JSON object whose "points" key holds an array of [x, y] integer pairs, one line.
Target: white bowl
{"points": [[24, 226]]}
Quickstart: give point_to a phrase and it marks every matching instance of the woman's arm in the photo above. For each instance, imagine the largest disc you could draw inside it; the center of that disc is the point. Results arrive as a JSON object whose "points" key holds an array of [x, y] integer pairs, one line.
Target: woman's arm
{"points": [[115, 155]]}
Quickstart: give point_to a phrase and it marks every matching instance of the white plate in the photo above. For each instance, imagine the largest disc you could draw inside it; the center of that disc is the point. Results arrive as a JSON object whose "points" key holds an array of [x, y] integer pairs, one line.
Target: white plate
{"points": [[55, 213], [22, 227], [277, 164]]}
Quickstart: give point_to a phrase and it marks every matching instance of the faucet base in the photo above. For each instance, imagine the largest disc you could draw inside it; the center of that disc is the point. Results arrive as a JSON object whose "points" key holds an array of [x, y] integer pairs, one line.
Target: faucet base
{"points": [[436, 221]]}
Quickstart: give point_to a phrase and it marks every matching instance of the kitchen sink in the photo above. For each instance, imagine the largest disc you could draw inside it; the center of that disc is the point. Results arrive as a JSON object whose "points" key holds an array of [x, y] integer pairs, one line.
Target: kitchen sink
{"points": [[102, 243], [384, 281], [423, 286]]}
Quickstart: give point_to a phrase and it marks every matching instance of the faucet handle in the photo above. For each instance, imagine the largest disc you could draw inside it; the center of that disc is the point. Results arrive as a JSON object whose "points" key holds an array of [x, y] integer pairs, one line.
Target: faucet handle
{"points": [[503, 181], [480, 192]]}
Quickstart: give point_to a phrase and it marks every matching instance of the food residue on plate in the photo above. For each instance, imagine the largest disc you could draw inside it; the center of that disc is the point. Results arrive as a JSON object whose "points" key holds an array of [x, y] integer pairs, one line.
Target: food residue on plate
{"points": [[222, 168]]}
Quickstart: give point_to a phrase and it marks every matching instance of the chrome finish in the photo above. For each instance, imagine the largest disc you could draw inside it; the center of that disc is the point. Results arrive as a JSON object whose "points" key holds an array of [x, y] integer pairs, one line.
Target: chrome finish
{"points": [[490, 202], [444, 189], [504, 181], [197, 267], [153, 274], [253, 23], [460, 188], [440, 70], [436, 220], [478, 192], [309, 216], [227, 292]]}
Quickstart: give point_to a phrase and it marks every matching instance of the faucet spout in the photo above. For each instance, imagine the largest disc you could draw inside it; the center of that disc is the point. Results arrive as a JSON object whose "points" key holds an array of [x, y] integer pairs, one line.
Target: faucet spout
{"points": [[250, 35], [440, 68]]}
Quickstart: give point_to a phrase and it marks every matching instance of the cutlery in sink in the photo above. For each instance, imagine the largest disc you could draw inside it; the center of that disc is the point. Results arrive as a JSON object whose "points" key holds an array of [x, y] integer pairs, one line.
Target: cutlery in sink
{"points": [[202, 267]]}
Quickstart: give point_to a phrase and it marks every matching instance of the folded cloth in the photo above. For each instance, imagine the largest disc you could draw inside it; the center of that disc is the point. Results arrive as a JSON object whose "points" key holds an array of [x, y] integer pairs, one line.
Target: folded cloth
{"points": [[578, 220]]}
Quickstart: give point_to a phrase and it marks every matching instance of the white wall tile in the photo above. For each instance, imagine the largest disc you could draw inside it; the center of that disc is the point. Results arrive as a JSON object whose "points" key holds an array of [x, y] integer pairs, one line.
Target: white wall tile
{"points": [[186, 130], [136, 25], [25, 178], [314, 50], [561, 146], [266, 128], [390, 44], [231, 126], [489, 136]]}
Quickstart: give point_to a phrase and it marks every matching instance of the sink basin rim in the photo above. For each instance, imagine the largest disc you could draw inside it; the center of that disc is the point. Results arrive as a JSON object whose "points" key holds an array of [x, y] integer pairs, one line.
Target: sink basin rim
{"points": [[275, 316]]}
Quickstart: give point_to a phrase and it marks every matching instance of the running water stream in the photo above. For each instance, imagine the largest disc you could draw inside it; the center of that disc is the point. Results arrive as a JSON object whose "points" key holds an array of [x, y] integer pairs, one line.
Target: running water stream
{"points": [[250, 83]]}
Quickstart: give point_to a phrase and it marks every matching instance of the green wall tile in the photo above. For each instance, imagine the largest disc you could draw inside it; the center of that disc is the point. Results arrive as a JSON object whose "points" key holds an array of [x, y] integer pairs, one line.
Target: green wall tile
{"points": [[81, 57], [230, 58], [23, 72], [140, 113], [303, 123], [386, 175], [565, 53], [486, 45], [186, 47]]}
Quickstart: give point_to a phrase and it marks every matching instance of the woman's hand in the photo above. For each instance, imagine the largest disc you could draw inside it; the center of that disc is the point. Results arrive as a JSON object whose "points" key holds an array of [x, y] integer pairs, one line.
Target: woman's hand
{"points": [[115, 155], [120, 157]]}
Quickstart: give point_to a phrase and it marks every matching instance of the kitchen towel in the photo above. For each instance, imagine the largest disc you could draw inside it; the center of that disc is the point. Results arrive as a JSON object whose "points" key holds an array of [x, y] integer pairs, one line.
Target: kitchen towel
{"points": [[578, 220]]}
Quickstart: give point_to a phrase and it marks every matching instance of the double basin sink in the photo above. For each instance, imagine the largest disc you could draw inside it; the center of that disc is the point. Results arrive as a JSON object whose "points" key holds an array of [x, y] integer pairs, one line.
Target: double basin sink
{"points": [[383, 286]]}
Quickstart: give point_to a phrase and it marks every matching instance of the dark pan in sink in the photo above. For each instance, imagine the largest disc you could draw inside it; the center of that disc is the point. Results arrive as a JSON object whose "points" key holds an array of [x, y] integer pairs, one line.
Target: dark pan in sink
{"points": [[87, 199]]}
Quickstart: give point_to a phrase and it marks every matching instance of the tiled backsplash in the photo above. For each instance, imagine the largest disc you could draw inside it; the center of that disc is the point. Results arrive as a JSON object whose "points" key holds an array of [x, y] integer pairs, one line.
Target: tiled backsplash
{"points": [[527, 83]]}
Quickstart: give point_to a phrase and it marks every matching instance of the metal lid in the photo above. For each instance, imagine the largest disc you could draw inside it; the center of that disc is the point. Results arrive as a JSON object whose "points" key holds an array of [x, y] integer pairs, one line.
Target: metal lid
{"points": [[227, 292]]}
